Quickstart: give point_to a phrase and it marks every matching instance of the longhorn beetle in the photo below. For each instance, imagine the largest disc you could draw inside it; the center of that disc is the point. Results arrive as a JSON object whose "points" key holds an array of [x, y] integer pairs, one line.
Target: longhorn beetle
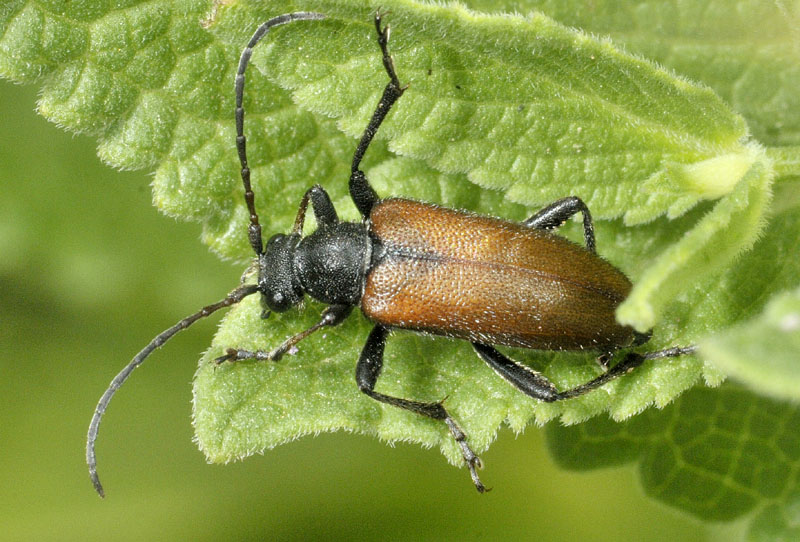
{"points": [[416, 266]]}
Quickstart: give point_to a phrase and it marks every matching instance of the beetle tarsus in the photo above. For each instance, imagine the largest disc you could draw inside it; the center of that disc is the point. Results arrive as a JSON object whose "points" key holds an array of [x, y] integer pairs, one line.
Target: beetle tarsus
{"points": [[470, 458], [331, 316], [673, 352], [232, 354], [383, 41]]}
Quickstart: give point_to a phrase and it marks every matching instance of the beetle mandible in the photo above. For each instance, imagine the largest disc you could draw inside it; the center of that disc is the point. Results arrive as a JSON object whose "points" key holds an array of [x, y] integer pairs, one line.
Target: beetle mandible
{"points": [[417, 266]]}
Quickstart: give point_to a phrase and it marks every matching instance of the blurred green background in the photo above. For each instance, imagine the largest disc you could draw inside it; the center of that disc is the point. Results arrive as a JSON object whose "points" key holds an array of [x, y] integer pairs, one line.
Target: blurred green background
{"points": [[89, 272]]}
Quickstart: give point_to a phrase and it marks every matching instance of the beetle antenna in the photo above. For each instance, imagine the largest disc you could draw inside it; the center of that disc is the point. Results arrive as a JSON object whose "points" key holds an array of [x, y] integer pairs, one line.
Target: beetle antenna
{"points": [[231, 299], [254, 230]]}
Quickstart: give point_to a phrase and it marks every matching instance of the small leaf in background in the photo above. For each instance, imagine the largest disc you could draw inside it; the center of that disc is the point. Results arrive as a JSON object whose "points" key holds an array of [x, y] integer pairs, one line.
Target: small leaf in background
{"points": [[748, 52], [717, 454], [763, 353]]}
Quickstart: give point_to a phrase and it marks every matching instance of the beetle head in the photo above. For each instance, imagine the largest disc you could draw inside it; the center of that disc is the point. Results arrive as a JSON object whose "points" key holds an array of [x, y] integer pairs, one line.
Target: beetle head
{"points": [[280, 289]]}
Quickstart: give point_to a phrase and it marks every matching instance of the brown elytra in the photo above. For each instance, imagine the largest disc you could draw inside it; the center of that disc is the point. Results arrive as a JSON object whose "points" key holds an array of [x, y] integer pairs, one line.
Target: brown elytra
{"points": [[490, 281]]}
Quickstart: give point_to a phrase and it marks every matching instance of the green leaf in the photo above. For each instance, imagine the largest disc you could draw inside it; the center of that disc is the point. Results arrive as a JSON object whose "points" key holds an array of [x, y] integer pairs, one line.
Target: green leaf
{"points": [[717, 454], [764, 352], [730, 228], [747, 52], [569, 115]]}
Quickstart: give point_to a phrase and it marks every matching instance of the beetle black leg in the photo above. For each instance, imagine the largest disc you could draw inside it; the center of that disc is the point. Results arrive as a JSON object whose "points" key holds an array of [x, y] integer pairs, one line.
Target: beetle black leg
{"points": [[558, 212], [363, 194], [523, 378], [630, 362], [369, 367], [324, 211], [535, 385], [331, 316]]}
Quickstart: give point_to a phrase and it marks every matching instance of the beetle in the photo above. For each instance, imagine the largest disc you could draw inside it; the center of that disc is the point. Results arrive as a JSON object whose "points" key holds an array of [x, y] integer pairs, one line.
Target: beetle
{"points": [[420, 267]]}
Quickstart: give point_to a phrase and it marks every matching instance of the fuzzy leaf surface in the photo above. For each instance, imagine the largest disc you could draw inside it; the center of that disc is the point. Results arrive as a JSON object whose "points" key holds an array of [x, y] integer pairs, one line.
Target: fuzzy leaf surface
{"points": [[748, 52], [523, 105]]}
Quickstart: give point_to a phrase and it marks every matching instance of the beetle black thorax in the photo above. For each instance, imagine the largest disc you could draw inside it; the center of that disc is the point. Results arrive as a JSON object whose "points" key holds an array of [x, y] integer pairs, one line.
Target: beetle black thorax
{"points": [[330, 264]]}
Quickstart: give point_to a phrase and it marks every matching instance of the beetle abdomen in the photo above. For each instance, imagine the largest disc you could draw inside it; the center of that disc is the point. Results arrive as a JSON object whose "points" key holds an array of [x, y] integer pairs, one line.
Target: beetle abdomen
{"points": [[489, 280]]}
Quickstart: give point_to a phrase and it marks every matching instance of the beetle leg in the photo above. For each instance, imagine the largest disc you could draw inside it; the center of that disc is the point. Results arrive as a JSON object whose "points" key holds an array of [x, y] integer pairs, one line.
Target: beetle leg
{"points": [[331, 316], [537, 386], [534, 384], [630, 362], [558, 212], [324, 211], [368, 370], [525, 379], [363, 194]]}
